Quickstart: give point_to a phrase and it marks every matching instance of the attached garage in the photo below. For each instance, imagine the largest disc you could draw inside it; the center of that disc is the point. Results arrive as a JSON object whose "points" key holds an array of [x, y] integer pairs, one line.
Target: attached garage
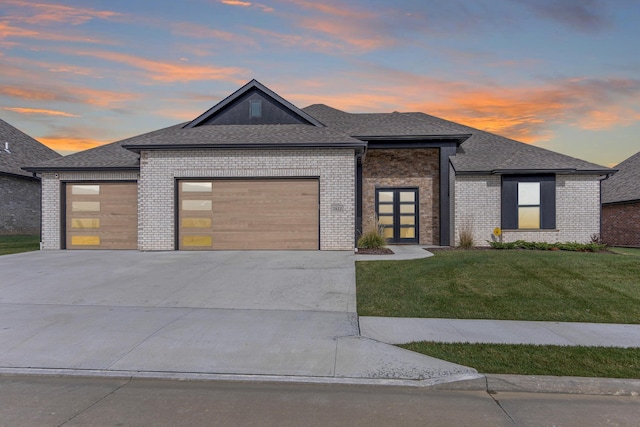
{"points": [[101, 215], [239, 214]]}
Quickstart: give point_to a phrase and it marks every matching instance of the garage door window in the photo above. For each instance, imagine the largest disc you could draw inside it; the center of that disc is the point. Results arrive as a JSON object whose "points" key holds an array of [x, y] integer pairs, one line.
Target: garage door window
{"points": [[85, 223], [196, 205], [85, 206], [85, 190], [196, 187]]}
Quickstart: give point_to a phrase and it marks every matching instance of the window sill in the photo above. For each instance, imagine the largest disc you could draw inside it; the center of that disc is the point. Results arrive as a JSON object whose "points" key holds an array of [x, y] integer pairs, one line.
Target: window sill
{"points": [[531, 230]]}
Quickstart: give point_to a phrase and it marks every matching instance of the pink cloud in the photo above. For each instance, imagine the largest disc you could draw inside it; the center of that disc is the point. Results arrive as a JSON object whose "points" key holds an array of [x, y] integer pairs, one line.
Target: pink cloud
{"points": [[263, 7], [39, 111], [168, 72], [203, 32], [46, 13], [73, 94], [13, 32]]}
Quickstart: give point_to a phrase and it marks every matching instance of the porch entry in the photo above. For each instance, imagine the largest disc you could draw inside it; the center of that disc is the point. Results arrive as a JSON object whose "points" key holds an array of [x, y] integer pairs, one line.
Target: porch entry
{"points": [[397, 210]]}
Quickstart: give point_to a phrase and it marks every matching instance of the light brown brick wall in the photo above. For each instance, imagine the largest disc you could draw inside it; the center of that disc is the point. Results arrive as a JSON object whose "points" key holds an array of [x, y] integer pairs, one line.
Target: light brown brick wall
{"points": [[404, 168], [621, 224]]}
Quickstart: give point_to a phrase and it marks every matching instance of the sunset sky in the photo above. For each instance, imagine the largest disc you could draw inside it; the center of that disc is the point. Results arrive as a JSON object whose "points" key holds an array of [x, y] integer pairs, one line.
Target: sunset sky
{"points": [[560, 74]]}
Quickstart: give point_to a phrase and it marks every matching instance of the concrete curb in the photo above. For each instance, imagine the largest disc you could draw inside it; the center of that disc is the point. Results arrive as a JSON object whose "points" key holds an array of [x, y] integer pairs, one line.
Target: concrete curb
{"points": [[197, 376], [496, 383], [491, 383]]}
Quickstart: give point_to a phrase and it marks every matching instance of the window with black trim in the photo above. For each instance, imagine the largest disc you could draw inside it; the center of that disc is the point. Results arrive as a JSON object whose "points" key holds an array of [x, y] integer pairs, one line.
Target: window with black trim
{"points": [[528, 202], [255, 109]]}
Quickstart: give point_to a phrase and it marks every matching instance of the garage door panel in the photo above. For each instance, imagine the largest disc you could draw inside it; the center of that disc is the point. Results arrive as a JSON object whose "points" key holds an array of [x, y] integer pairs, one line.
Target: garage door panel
{"points": [[252, 214], [113, 225]]}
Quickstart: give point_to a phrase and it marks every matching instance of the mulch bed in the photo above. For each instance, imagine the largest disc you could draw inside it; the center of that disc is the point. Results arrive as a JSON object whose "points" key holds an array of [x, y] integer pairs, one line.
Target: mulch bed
{"points": [[380, 251]]}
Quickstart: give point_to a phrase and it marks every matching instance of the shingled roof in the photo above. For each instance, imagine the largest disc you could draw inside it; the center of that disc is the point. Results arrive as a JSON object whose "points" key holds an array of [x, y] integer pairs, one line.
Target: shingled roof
{"points": [[624, 186], [480, 153], [110, 156], [230, 136], [17, 149]]}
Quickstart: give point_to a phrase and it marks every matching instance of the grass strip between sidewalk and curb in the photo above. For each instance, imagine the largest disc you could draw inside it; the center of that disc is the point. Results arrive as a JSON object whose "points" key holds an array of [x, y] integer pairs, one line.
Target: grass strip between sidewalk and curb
{"points": [[17, 244], [607, 362], [505, 285]]}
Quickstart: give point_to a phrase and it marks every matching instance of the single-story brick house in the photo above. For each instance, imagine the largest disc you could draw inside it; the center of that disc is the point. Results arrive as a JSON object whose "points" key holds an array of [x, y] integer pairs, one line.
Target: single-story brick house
{"points": [[257, 172], [19, 189], [621, 205]]}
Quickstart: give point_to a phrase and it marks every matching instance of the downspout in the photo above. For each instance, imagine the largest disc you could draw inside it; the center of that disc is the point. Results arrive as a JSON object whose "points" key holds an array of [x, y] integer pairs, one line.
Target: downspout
{"points": [[35, 175], [358, 198], [606, 177]]}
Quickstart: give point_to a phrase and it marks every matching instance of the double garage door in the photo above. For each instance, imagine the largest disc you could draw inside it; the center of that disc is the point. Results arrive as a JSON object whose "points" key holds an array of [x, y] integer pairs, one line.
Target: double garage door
{"points": [[212, 214], [248, 214]]}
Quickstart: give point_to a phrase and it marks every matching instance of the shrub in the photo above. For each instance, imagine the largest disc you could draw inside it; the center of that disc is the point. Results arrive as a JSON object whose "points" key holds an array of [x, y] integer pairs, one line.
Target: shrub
{"points": [[466, 237], [373, 238], [543, 246]]}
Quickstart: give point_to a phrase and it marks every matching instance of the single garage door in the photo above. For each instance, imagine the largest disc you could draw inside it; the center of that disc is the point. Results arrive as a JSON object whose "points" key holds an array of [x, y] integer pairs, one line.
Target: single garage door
{"points": [[248, 214], [102, 215]]}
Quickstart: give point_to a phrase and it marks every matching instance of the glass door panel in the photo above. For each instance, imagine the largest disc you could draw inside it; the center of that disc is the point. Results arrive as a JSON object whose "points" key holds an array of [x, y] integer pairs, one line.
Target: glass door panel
{"points": [[397, 211]]}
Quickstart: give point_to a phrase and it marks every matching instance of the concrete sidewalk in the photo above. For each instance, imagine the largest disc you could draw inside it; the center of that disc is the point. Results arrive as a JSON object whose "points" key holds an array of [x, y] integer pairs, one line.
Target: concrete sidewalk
{"points": [[400, 252], [395, 330]]}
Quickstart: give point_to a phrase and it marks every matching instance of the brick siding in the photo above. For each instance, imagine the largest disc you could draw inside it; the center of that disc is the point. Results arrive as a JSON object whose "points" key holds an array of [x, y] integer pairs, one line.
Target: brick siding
{"points": [[621, 224], [477, 208], [19, 205], [159, 169], [417, 168]]}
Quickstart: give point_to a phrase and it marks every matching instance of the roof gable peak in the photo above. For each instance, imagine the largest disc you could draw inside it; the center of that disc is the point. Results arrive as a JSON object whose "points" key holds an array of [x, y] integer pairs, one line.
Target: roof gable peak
{"points": [[253, 104]]}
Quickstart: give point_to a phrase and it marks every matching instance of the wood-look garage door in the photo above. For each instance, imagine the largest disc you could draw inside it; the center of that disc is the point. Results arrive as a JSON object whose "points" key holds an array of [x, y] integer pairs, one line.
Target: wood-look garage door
{"points": [[102, 215], [248, 214]]}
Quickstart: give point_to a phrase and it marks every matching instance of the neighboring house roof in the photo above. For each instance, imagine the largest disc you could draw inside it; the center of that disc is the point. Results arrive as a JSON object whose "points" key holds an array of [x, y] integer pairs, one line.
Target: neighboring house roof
{"points": [[481, 152], [22, 150], [624, 186]]}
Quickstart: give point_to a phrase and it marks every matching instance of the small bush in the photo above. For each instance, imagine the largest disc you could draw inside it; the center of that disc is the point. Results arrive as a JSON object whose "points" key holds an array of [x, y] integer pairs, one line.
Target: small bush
{"points": [[543, 246], [373, 238], [466, 238]]}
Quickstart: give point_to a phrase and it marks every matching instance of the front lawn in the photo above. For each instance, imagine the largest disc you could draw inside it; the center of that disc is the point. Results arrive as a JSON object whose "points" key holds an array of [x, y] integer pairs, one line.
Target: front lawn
{"points": [[506, 284], [537, 360], [15, 244]]}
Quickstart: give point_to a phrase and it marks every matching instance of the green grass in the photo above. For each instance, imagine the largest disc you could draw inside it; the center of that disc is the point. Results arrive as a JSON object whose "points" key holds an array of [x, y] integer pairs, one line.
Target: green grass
{"points": [[507, 284], [16, 244], [537, 360]]}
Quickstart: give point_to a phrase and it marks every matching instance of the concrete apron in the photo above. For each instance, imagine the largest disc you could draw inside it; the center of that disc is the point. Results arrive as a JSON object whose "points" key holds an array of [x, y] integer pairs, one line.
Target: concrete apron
{"points": [[279, 313]]}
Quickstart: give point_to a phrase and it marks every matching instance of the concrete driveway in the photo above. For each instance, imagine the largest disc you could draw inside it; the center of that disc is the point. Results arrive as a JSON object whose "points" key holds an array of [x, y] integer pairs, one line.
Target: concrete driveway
{"points": [[277, 313]]}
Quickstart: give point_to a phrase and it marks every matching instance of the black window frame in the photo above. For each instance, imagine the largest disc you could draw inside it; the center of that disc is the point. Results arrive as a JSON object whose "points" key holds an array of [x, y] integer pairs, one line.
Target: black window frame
{"points": [[509, 202], [397, 214]]}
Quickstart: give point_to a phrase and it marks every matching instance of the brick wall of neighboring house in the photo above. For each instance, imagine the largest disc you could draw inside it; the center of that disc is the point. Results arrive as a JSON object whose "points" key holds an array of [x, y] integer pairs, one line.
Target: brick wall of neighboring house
{"points": [[158, 170], [621, 224], [477, 207], [51, 198], [19, 205], [418, 168]]}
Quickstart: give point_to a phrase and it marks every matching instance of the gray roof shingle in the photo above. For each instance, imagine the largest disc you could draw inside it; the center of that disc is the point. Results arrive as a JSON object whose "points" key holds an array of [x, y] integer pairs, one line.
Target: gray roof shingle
{"points": [[223, 135], [109, 156], [624, 186], [482, 152], [23, 151]]}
